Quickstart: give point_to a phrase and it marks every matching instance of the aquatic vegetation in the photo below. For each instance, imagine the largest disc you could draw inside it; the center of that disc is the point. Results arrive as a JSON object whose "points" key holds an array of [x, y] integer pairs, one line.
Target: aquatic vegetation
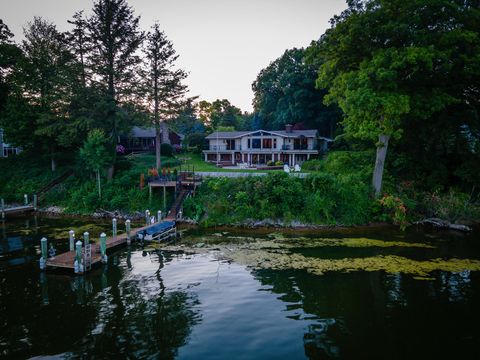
{"points": [[389, 263]]}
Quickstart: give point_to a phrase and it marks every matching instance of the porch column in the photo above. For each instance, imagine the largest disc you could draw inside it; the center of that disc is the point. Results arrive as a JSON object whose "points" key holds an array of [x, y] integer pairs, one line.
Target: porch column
{"points": [[206, 157], [218, 157], [233, 158], [308, 156], [249, 159]]}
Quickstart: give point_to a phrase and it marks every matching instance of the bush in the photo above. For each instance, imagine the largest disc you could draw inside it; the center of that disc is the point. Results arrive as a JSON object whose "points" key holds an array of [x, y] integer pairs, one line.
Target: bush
{"points": [[166, 150], [279, 163], [312, 165], [452, 206], [317, 199], [270, 163], [195, 142]]}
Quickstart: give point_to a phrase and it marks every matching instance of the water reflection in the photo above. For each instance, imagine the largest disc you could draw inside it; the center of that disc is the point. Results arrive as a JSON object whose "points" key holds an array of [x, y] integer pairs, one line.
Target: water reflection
{"points": [[158, 304], [123, 309], [376, 315]]}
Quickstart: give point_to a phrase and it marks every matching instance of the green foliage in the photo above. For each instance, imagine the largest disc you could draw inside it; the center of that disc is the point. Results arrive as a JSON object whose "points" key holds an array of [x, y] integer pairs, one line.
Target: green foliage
{"points": [[452, 206], [94, 152], [196, 141], [166, 150], [285, 93], [317, 199], [313, 165], [278, 163]]}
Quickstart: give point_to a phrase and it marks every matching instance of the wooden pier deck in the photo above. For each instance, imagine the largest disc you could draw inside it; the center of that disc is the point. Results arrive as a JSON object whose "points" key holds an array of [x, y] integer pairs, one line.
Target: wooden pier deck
{"points": [[16, 210], [66, 260]]}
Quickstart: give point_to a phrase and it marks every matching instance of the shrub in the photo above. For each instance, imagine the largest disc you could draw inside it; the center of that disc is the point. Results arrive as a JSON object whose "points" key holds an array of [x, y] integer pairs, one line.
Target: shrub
{"points": [[166, 150], [279, 163], [452, 206], [312, 165], [270, 163]]}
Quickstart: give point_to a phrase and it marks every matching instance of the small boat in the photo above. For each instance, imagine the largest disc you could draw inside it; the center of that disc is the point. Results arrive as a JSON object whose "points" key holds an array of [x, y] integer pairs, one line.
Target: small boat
{"points": [[158, 231]]}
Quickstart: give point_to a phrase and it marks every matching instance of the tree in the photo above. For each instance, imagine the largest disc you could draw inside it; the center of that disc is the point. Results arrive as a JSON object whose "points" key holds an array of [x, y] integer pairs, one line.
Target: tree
{"points": [[115, 41], [10, 55], [222, 113], [285, 93], [392, 65], [46, 78], [80, 43], [164, 88], [95, 154]]}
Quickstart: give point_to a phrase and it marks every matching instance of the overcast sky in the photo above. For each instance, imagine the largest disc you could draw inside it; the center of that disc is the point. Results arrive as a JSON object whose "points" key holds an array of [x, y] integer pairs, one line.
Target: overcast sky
{"points": [[223, 44]]}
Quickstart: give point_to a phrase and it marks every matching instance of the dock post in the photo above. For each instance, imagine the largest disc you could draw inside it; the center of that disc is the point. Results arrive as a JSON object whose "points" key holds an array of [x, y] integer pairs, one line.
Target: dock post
{"points": [[25, 198], [147, 217], [86, 238], [164, 197], [71, 238], [35, 200], [2, 207], [43, 259], [78, 267], [103, 247], [127, 229], [114, 228], [159, 215]]}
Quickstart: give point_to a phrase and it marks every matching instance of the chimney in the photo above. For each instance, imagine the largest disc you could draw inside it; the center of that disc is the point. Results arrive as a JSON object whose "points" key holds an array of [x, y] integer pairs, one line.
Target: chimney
{"points": [[288, 128]]}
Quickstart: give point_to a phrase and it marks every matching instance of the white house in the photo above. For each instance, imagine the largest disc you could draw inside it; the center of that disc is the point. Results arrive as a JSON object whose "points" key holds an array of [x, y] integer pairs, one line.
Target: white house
{"points": [[7, 149], [258, 147]]}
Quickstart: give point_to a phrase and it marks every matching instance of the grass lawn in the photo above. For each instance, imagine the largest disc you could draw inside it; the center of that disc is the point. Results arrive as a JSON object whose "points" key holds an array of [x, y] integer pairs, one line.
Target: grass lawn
{"points": [[143, 162], [196, 161]]}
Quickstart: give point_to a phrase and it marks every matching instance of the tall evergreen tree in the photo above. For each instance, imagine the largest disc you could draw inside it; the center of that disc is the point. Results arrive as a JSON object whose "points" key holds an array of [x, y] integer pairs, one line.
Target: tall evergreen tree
{"points": [[46, 79], [164, 88], [115, 38], [80, 44]]}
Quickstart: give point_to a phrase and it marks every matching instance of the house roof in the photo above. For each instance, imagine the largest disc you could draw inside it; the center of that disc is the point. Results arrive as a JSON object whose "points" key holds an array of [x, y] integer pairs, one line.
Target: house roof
{"points": [[138, 132], [283, 133]]}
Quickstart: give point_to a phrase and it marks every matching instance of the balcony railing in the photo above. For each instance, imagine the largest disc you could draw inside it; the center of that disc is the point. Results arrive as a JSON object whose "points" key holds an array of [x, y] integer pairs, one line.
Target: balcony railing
{"points": [[297, 147], [223, 148]]}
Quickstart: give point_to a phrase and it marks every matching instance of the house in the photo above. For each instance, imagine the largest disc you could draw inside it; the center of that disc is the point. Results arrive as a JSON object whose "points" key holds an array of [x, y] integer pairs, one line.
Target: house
{"points": [[143, 139], [6, 149], [258, 147]]}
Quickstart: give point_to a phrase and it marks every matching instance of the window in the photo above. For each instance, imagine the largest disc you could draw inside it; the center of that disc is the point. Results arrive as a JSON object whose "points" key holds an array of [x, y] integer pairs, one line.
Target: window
{"points": [[267, 143], [256, 143]]}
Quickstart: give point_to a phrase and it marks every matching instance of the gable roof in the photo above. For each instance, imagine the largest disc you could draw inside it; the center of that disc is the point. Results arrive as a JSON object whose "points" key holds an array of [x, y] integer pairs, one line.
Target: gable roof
{"points": [[283, 133]]}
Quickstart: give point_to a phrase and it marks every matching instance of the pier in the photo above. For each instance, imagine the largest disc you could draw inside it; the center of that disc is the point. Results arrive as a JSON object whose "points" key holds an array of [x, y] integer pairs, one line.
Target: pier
{"points": [[18, 209]]}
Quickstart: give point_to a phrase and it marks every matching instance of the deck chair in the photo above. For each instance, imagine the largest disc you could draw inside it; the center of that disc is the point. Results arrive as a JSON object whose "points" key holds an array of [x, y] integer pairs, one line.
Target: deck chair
{"points": [[286, 168], [297, 168]]}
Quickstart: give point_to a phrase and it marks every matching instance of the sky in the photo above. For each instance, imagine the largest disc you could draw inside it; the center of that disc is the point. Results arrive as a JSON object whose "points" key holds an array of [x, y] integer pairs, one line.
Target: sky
{"points": [[223, 44]]}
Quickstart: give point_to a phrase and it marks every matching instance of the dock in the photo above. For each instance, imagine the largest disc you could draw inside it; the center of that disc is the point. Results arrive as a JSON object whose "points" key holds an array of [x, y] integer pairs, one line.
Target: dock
{"points": [[16, 210], [66, 260]]}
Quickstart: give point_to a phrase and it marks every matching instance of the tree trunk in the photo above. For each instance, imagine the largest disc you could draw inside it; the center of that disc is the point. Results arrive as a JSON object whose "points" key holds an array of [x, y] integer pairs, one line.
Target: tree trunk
{"points": [[53, 163], [380, 163], [165, 135], [110, 172], [99, 186], [158, 148]]}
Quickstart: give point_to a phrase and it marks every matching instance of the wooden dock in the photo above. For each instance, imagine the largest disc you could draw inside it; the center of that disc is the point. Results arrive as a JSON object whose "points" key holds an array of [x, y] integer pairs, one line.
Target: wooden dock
{"points": [[66, 260], [16, 210]]}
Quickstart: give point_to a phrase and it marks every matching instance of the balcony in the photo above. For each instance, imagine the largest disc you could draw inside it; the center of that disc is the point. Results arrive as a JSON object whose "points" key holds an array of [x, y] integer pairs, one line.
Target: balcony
{"points": [[223, 148], [298, 147]]}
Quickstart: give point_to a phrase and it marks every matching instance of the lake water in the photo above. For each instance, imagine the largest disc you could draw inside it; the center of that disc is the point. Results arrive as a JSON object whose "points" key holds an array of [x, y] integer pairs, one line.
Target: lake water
{"points": [[224, 303]]}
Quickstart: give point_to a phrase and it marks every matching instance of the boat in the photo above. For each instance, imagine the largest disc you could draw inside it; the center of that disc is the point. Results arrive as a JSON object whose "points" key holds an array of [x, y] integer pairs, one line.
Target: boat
{"points": [[159, 231]]}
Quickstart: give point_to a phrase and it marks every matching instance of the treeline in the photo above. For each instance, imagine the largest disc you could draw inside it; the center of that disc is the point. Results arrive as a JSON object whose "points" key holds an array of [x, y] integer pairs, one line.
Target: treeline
{"points": [[105, 74], [402, 76]]}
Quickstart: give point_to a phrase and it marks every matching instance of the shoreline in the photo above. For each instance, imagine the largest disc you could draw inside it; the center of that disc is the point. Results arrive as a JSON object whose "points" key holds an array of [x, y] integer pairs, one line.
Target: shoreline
{"points": [[262, 225]]}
